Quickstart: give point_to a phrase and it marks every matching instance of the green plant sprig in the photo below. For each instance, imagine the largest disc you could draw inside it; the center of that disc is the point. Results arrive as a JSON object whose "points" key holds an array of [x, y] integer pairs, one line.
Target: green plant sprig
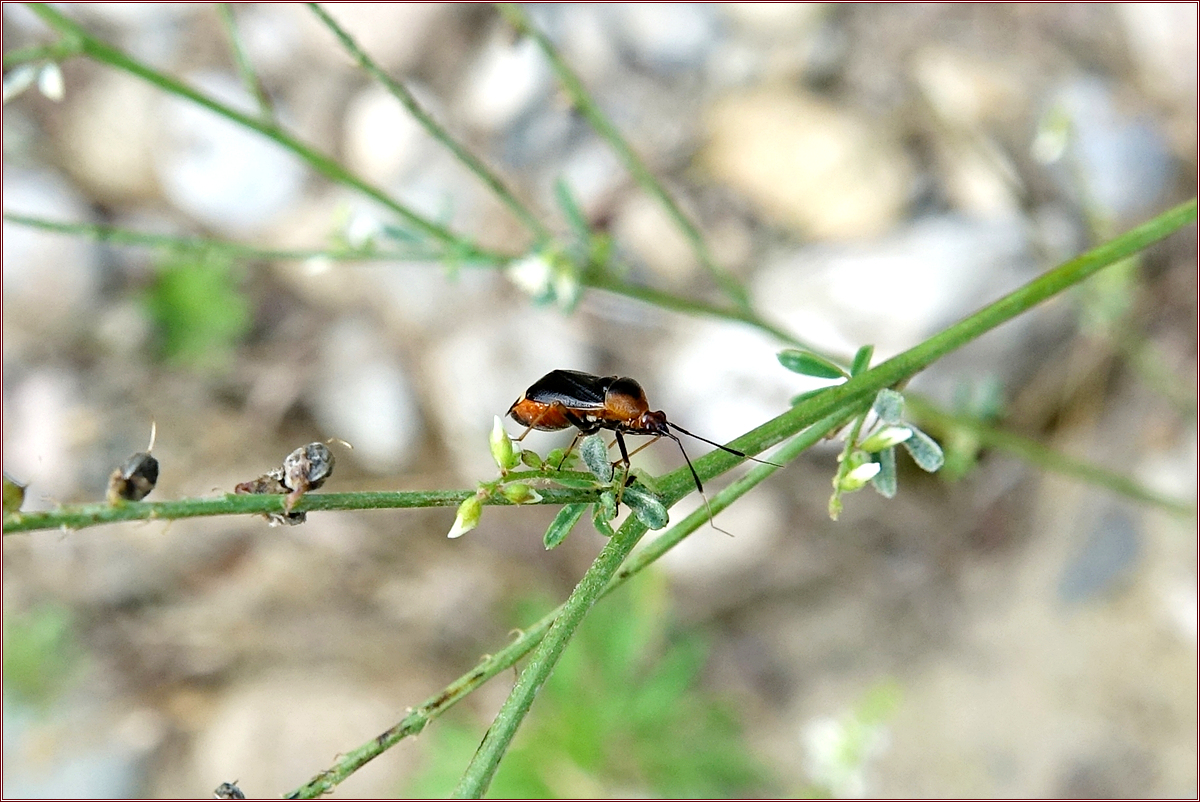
{"points": [[245, 69], [854, 393], [401, 93], [586, 105], [1044, 458], [79, 41]]}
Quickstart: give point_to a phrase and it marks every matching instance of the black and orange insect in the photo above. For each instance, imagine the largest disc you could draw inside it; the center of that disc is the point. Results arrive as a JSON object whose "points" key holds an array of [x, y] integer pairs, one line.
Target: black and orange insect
{"points": [[565, 398]]}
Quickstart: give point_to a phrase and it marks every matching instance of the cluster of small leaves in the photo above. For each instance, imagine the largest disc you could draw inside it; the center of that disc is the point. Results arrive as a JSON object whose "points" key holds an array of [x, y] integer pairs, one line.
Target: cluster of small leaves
{"points": [[636, 490], [870, 456]]}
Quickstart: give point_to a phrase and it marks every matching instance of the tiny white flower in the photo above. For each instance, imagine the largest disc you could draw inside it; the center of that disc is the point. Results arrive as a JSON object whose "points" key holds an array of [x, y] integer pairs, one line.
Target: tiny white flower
{"points": [[50, 82], [858, 478], [533, 275], [886, 437]]}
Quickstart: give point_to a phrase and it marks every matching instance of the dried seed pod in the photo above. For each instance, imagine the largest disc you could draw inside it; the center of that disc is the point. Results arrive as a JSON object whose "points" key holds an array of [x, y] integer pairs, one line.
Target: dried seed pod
{"points": [[136, 477], [228, 791], [306, 469], [271, 483]]}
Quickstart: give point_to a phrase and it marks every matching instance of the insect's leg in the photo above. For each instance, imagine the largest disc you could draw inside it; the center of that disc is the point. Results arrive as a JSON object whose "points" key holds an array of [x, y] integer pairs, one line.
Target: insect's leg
{"points": [[528, 429], [567, 453], [644, 445]]}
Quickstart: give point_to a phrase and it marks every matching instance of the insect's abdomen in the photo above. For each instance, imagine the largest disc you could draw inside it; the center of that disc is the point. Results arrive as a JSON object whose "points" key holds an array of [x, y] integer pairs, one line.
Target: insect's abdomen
{"points": [[545, 417]]}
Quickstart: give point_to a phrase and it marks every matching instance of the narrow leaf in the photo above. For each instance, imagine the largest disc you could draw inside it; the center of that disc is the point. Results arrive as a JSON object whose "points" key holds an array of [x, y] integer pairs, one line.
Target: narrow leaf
{"points": [[862, 360], [594, 451], [889, 406], [924, 451], [809, 364], [563, 523], [646, 506]]}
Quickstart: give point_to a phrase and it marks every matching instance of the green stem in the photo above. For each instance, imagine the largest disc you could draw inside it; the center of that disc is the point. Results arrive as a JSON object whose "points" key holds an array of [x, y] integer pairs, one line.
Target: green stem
{"points": [[587, 106], [121, 236], [103, 52], [481, 769], [27, 55], [943, 424], [401, 93], [245, 69], [80, 516]]}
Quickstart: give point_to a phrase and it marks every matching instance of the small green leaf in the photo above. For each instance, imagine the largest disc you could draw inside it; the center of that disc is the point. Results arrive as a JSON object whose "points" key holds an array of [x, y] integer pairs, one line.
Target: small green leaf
{"points": [[563, 523], [809, 364], [594, 452], [889, 406], [600, 523], [646, 506], [558, 459], [862, 360], [885, 480], [796, 399], [531, 460], [924, 451]]}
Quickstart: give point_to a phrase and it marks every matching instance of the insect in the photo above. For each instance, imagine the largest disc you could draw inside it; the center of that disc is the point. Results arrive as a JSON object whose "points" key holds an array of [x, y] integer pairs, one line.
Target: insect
{"points": [[136, 477], [564, 398]]}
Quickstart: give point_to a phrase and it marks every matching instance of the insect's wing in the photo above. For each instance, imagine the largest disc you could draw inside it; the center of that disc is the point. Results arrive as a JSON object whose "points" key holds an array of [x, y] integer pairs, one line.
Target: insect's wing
{"points": [[576, 391]]}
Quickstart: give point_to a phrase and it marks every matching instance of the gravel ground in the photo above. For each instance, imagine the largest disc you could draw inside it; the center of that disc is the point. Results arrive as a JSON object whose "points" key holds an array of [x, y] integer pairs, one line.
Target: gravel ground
{"points": [[871, 172]]}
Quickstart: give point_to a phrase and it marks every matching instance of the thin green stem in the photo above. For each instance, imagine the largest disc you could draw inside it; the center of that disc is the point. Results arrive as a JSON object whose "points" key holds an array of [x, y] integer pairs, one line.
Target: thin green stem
{"points": [[943, 424], [37, 53], [103, 52], [588, 107], [122, 236], [245, 69], [80, 516], [401, 93], [481, 769]]}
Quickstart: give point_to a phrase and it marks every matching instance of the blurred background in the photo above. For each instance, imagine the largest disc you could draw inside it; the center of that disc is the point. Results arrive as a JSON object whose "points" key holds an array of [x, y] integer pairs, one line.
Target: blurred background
{"points": [[871, 172]]}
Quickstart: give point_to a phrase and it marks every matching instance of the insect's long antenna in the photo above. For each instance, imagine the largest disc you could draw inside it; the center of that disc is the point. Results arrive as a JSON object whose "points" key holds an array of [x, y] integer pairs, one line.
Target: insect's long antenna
{"points": [[696, 476], [733, 451]]}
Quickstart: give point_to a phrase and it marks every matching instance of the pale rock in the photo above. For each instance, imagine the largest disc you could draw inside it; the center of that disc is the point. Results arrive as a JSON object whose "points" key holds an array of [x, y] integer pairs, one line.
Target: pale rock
{"points": [[807, 164], [363, 395], [226, 175]]}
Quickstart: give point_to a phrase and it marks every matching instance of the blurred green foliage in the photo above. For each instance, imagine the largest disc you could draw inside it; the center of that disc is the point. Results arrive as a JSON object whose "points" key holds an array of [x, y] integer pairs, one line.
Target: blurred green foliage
{"points": [[200, 311], [622, 715], [40, 654]]}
